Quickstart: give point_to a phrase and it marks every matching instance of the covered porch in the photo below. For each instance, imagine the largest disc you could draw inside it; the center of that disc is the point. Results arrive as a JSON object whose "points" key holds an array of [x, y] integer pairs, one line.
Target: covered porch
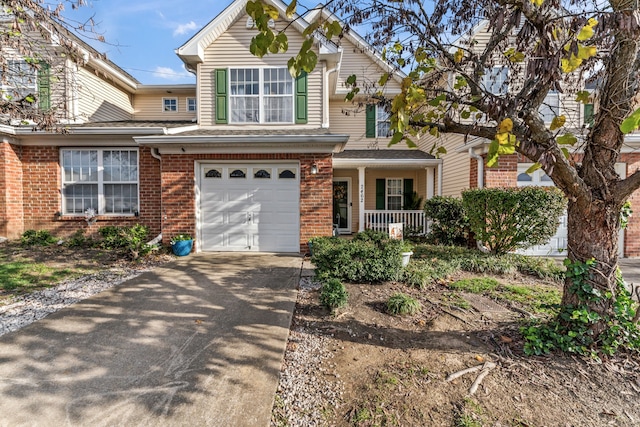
{"points": [[373, 188]]}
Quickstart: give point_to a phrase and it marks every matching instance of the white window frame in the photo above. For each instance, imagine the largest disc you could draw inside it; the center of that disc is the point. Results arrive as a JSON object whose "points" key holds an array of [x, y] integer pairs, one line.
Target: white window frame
{"points": [[100, 182], [192, 104], [388, 195], [538, 177], [382, 117], [495, 80], [261, 96], [164, 105], [12, 86], [550, 111]]}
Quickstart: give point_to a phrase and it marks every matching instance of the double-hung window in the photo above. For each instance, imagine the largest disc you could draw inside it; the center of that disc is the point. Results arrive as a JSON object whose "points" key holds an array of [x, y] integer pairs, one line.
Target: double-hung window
{"points": [[261, 95], [18, 81], [550, 107], [495, 80], [383, 125], [394, 194], [103, 180]]}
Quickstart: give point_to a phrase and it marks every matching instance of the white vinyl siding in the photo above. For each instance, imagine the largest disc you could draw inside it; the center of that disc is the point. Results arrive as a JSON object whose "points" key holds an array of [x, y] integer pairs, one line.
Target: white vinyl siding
{"points": [[149, 107], [104, 180], [100, 101], [231, 50]]}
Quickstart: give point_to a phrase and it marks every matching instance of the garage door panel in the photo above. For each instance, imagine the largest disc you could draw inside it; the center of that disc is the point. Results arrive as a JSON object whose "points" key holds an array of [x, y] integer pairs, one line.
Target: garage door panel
{"points": [[256, 213]]}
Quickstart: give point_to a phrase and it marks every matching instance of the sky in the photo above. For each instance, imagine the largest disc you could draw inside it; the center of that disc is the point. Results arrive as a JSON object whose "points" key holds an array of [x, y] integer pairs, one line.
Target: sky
{"points": [[142, 35]]}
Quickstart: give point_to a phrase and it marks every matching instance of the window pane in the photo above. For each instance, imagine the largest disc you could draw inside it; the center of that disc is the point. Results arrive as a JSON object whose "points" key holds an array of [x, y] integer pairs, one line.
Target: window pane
{"points": [[495, 80], [121, 198], [80, 165], [80, 197], [550, 107], [245, 109], [278, 109]]}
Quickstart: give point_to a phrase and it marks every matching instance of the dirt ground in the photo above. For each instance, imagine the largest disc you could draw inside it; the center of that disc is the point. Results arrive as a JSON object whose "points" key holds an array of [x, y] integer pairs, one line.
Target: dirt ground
{"points": [[394, 369]]}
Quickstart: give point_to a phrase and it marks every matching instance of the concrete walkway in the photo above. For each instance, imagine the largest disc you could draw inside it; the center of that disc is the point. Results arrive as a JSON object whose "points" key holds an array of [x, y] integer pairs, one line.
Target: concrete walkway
{"points": [[197, 342]]}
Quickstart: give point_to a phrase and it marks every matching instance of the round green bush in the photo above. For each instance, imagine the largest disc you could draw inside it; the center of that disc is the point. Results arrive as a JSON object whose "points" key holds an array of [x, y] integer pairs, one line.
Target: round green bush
{"points": [[333, 294], [402, 304]]}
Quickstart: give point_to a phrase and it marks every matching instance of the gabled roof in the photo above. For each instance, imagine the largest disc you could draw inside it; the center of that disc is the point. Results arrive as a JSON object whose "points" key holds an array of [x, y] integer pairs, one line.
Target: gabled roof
{"points": [[193, 50]]}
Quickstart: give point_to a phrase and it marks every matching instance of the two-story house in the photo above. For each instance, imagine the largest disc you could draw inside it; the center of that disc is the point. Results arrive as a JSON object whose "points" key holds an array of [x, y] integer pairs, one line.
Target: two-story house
{"points": [[246, 159], [465, 161]]}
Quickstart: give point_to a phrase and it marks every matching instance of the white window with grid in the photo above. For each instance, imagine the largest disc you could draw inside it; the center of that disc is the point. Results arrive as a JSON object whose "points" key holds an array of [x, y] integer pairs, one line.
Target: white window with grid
{"points": [[550, 107], [170, 105], [103, 180], [18, 81], [383, 124], [394, 194], [261, 95], [191, 104], [495, 80]]}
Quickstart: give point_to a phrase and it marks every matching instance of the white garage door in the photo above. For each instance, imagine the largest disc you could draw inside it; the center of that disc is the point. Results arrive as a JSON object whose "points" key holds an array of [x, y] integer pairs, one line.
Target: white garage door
{"points": [[249, 207], [557, 245]]}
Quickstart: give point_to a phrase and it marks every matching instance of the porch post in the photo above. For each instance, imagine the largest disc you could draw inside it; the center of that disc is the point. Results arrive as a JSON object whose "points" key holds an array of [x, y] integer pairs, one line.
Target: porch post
{"points": [[361, 198], [440, 178], [431, 182]]}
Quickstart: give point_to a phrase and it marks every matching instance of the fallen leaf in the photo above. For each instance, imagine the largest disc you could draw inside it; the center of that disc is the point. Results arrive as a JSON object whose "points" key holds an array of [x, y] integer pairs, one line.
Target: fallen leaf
{"points": [[505, 339]]}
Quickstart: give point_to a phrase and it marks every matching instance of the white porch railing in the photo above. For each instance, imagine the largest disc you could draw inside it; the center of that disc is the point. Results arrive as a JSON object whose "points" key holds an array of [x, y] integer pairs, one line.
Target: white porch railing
{"points": [[380, 220]]}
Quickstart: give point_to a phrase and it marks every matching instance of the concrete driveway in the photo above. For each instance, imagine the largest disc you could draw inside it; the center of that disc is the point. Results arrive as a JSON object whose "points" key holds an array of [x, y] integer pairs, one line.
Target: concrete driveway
{"points": [[197, 342]]}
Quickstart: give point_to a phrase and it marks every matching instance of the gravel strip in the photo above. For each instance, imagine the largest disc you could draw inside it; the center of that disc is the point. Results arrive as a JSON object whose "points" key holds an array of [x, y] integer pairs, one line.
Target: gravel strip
{"points": [[26, 309], [308, 386]]}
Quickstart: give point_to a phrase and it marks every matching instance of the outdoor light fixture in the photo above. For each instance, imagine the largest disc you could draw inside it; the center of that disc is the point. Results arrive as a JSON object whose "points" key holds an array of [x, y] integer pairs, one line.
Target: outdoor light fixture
{"points": [[314, 169]]}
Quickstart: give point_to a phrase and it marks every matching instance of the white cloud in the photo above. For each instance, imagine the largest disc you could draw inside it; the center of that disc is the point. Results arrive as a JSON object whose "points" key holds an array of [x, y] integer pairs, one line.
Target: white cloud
{"points": [[182, 29], [167, 73]]}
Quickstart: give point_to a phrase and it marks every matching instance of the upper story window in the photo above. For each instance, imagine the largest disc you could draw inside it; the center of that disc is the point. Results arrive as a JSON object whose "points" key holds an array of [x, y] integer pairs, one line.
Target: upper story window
{"points": [[170, 104], [261, 95], [378, 124], [496, 80], [550, 107], [103, 180], [19, 80], [191, 105]]}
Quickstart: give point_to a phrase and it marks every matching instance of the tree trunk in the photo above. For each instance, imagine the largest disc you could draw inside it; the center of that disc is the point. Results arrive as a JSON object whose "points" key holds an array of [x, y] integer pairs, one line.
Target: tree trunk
{"points": [[593, 234]]}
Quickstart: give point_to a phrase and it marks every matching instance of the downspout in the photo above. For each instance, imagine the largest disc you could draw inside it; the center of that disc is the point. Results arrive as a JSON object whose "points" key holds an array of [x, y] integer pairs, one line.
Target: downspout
{"points": [[325, 121], [155, 153], [480, 162]]}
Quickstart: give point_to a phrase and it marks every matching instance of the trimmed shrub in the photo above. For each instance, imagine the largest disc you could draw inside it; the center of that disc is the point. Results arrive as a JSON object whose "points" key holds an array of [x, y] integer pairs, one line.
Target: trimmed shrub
{"points": [[506, 219], [370, 257], [400, 304], [333, 294], [39, 238], [132, 239], [449, 223]]}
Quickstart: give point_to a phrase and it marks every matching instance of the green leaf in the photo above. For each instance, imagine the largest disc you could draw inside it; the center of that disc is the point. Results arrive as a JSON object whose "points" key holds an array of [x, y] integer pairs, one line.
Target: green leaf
{"points": [[631, 123], [383, 79], [410, 143], [291, 9], [441, 150], [566, 152], [492, 155], [437, 100], [351, 80], [333, 29], [533, 168], [465, 114], [583, 96], [397, 137], [567, 139]]}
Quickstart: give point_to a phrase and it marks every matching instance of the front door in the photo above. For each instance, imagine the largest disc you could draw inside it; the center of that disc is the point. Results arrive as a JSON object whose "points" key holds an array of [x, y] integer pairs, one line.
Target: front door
{"points": [[342, 205]]}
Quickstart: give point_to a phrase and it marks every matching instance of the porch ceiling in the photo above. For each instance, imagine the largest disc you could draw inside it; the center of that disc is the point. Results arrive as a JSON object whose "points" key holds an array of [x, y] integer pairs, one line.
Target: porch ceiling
{"points": [[384, 159]]}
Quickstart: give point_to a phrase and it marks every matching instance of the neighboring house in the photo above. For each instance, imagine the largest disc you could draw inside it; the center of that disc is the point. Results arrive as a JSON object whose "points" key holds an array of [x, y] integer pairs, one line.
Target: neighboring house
{"points": [[464, 164], [246, 159]]}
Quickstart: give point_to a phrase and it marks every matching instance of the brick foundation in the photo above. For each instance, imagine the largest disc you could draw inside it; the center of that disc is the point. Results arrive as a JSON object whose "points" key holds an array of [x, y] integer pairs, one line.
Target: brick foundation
{"points": [[11, 202]]}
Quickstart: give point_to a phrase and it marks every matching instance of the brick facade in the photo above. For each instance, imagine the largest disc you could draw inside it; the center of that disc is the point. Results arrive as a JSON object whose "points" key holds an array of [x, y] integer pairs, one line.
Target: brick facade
{"points": [[632, 232], [11, 203], [504, 174], [31, 198], [179, 201]]}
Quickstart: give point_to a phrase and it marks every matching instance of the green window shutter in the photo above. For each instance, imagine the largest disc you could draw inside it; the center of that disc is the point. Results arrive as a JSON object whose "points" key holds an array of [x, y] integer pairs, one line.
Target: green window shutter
{"points": [[301, 98], [588, 114], [380, 193], [371, 121], [221, 96], [407, 192], [44, 87]]}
